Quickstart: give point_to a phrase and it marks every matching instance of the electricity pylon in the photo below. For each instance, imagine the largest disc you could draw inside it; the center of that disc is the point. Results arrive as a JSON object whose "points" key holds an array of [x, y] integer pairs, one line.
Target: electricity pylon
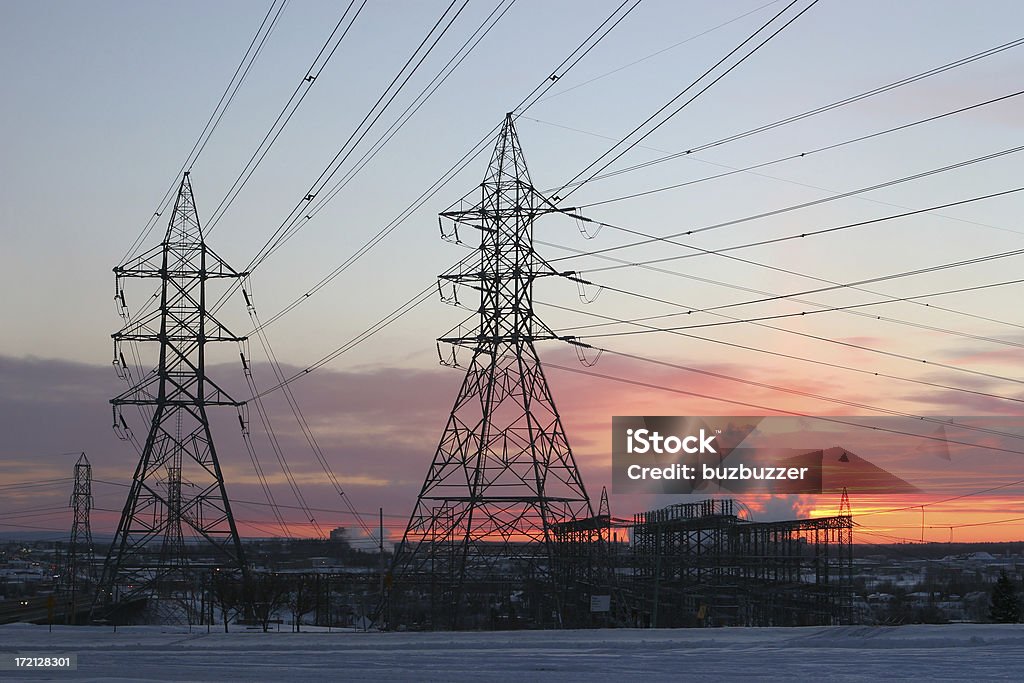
{"points": [[177, 491], [503, 472], [80, 548]]}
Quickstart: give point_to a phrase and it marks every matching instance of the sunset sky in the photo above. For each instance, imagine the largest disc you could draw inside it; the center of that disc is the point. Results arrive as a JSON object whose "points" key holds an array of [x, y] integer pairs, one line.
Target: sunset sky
{"points": [[102, 102]]}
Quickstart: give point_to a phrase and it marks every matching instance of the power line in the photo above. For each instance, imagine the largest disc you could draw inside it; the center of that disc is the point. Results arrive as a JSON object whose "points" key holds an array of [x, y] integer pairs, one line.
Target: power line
{"points": [[747, 404], [659, 52], [405, 308], [806, 394], [375, 112], [805, 154], [294, 218], [311, 74], [303, 424], [414, 106], [954, 526], [802, 359], [818, 110], [757, 321], [241, 71], [283, 462], [420, 298], [286, 113], [912, 299], [564, 67], [471, 43], [264, 484], [293, 507], [42, 483], [577, 185], [795, 207], [848, 308], [999, 487], [794, 237]]}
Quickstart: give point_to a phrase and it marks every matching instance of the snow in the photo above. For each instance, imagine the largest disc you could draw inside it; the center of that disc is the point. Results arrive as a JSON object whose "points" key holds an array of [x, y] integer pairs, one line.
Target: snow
{"points": [[956, 652], [969, 557]]}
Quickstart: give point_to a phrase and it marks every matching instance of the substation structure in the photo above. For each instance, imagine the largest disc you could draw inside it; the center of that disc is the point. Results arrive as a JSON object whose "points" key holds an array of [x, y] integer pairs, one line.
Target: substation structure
{"points": [[587, 570], [700, 564]]}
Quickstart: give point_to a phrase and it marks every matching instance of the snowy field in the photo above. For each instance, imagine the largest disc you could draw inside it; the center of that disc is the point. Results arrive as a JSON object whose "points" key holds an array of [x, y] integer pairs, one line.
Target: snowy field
{"points": [[964, 652]]}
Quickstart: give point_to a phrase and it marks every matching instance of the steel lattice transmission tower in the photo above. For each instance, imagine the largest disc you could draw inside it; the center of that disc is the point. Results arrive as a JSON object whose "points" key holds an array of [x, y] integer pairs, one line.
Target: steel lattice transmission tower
{"points": [[80, 548], [177, 492], [503, 472]]}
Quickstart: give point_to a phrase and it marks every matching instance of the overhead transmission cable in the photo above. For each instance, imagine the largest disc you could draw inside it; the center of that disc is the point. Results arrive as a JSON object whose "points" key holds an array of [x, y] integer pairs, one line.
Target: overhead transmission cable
{"points": [[650, 239], [386, 97], [758, 322], [316, 68], [810, 152], [575, 184], [384, 100], [411, 109], [791, 356], [564, 67], [301, 420], [226, 98], [776, 409], [794, 236], [789, 390], [417, 300], [263, 413], [833, 286], [253, 51], [320, 61], [823, 308], [662, 51], [847, 308], [806, 114], [422, 294]]}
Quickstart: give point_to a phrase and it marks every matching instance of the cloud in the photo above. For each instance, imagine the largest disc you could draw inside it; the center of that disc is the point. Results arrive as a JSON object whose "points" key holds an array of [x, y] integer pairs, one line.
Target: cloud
{"points": [[377, 428]]}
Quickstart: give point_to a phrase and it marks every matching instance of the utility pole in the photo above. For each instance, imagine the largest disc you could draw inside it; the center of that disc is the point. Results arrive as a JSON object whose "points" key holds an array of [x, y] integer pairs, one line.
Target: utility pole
{"points": [[178, 488], [503, 472], [846, 554], [380, 542]]}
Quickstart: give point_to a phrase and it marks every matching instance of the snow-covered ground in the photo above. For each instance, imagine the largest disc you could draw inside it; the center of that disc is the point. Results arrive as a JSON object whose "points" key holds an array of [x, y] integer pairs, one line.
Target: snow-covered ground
{"points": [[964, 652]]}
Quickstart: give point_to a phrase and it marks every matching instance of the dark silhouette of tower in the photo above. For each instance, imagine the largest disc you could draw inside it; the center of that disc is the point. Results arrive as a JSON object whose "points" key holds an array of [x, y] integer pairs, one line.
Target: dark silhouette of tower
{"points": [[177, 492], [845, 615], [604, 509], [503, 473], [80, 548]]}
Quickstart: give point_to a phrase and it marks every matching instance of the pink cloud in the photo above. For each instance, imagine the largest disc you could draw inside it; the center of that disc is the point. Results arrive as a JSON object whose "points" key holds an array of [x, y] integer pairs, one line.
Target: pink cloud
{"points": [[378, 428]]}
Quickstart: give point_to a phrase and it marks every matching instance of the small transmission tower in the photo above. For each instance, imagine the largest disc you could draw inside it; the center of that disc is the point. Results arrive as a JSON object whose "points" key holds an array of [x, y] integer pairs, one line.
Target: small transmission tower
{"points": [[177, 491], [503, 473], [80, 548]]}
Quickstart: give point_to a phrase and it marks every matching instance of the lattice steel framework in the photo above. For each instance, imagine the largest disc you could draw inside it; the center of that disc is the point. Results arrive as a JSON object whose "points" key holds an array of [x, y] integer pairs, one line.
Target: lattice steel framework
{"points": [[80, 547], [503, 473], [177, 491], [699, 564]]}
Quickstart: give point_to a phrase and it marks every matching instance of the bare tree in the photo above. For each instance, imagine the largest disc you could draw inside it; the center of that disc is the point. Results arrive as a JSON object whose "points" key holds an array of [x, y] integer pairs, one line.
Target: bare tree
{"points": [[265, 594], [226, 592], [302, 598]]}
